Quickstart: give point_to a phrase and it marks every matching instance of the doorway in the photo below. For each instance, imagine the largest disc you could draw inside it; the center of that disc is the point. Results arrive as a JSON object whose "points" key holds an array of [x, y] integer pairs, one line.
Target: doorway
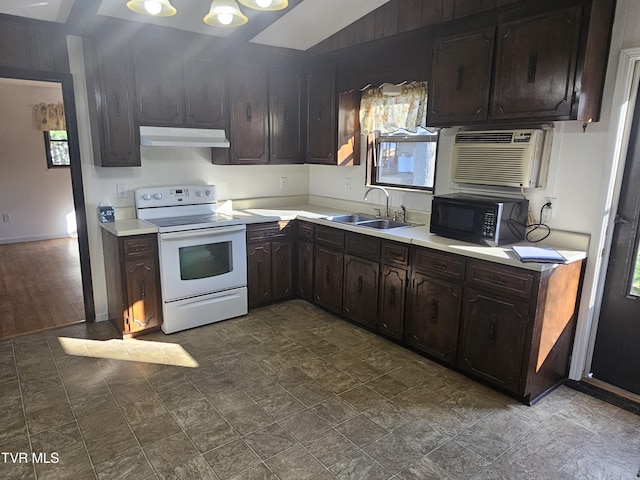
{"points": [[616, 354], [58, 267]]}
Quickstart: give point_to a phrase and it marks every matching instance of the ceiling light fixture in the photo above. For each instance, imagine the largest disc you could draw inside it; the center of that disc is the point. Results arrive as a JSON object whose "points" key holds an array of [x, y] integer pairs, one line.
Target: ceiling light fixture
{"points": [[222, 13], [155, 8]]}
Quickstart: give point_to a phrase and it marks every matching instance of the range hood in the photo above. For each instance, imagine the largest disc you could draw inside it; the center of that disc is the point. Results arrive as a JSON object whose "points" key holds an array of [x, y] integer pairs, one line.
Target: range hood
{"points": [[182, 137]]}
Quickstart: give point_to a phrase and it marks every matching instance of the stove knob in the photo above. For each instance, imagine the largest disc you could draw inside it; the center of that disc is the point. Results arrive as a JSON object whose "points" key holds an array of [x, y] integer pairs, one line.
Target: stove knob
{"points": [[157, 196], [199, 193], [209, 193], [146, 196]]}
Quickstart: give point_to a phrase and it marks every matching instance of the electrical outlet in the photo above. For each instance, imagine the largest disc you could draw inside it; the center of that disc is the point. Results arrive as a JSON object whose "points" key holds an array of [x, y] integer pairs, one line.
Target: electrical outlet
{"points": [[284, 183], [547, 212], [122, 190], [347, 183], [6, 217]]}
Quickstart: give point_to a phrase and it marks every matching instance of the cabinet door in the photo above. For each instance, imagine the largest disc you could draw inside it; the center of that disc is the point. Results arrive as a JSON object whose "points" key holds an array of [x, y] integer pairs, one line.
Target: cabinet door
{"points": [[461, 78], [493, 336], [305, 270], [205, 86], [393, 285], [142, 295], [249, 128], [435, 317], [160, 87], [259, 273], [327, 285], [536, 66], [281, 270], [285, 93], [321, 116], [361, 290], [116, 98]]}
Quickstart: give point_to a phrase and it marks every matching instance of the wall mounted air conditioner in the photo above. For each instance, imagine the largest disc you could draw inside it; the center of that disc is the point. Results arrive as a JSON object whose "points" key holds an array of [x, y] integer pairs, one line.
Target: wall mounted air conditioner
{"points": [[507, 158]]}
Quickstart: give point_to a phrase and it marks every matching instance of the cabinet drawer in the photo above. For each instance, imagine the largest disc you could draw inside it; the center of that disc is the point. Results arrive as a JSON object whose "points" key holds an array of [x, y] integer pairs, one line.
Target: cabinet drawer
{"points": [[140, 246], [364, 246], [305, 230], [269, 230], [438, 264], [330, 236], [395, 253], [501, 278]]}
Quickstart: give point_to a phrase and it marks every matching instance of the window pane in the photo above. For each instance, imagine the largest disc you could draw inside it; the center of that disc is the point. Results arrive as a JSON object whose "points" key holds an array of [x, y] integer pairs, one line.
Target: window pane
{"points": [[635, 282], [58, 148], [407, 163], [203, 261]]}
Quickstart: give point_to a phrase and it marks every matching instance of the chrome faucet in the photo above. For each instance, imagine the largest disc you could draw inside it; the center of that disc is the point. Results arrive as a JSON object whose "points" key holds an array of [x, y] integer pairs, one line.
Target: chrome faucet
{"points": [[375, 187]]}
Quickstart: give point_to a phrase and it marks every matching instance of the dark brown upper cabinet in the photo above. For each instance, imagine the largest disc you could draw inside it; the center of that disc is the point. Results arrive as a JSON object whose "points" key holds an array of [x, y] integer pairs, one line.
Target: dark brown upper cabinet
{"points": [[249, 130], [461, 78], [285, 115], [321, 115], [542, 61], [205, 93], [159, 86]]}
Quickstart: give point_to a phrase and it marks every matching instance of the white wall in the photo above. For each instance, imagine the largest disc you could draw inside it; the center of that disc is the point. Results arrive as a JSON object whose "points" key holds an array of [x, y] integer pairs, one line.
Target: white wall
{"points": [[38, 199]]}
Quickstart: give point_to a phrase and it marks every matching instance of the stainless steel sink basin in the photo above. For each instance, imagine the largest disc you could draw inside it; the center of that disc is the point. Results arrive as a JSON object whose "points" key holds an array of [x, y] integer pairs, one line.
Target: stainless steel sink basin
{"points": [[371, 221], [384, 224], [353, 218]]}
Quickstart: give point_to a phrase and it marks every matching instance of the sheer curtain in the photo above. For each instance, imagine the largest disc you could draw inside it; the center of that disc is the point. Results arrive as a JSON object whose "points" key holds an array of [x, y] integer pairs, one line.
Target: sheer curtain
{"points": [[50, 117], [387, 114]]}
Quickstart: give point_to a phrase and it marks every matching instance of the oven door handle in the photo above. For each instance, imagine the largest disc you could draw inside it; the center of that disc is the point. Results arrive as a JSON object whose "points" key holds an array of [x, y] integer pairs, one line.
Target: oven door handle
{"points": [[204, 232]]}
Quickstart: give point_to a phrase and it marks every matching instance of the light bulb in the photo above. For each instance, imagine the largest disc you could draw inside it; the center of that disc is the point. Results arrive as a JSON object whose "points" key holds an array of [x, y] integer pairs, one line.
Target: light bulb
{"points": [[264, 3], [152, 7], [225, 18]]}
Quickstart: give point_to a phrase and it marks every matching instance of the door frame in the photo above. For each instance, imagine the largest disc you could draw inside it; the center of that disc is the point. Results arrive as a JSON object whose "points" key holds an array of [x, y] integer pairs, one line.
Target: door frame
{"points": [[624, 99], [66, 82]]}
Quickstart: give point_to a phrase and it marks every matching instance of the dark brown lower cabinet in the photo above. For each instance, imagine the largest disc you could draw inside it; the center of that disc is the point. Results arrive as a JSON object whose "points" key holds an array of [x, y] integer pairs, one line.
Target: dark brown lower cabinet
{"points": [[328, 280], [269, 262], [361, 290], [432, 326], [493, 338], [393, 285], [133, 283], [305, 270]]}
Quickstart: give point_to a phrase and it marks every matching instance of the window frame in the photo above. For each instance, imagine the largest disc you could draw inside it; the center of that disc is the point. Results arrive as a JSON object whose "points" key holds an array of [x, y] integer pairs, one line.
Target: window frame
{"points": [[47, 147], [372, 160]]}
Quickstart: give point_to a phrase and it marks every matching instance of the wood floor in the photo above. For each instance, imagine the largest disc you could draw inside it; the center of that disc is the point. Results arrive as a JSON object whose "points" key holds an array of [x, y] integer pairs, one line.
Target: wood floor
{"points": [[40, 286]]}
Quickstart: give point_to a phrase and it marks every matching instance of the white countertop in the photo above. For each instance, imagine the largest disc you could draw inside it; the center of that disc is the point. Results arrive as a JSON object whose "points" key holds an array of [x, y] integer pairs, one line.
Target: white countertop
{"points": [[415, 235]]}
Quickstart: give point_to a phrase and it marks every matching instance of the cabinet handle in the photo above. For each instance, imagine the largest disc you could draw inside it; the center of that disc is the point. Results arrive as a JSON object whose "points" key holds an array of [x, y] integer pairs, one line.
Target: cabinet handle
{"points": [[327, 275], [533, 66], [140, 323], [115, 101], [499, 280], [360, 284], [283, 265], [249, 113], [286, 115], [439, 265], [434, 311], [319, 117], [393, 254], [493, 327], [460, 80], [142, 290], [392, 297]]}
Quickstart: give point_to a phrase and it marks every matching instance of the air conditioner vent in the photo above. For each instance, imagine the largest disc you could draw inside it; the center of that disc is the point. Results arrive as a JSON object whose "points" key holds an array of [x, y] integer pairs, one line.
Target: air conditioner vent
{"points": [[510, 158]]}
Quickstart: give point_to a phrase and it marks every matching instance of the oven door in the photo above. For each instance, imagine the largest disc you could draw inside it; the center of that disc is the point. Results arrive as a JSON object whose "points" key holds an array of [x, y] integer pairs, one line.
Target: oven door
{"points": [[198, 262]]}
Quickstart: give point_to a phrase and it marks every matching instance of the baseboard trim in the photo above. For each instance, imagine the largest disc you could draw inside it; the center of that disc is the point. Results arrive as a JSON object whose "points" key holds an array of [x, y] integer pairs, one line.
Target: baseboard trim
{"points": [[36, 238], [609, 393]]}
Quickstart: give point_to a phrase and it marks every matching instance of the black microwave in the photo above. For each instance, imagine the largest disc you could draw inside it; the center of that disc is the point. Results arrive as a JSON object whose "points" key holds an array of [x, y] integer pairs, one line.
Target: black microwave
{"points": [[479, 219]]}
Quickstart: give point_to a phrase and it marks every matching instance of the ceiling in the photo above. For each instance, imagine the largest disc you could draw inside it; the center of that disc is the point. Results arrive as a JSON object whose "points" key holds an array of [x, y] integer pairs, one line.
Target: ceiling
{"points": [[301, 27]]}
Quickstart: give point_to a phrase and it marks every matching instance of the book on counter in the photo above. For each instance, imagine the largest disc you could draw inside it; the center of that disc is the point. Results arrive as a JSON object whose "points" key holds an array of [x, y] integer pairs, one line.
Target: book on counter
{"points": [[529, 254]]}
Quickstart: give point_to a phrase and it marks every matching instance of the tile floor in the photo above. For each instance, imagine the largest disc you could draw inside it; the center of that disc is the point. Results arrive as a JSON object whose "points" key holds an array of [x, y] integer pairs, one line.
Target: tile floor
{"points": [[288, 392]]}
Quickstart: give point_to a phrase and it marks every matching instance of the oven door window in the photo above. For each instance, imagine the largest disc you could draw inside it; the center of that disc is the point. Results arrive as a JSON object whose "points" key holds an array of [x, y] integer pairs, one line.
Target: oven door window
{"points": [[205, 261]]}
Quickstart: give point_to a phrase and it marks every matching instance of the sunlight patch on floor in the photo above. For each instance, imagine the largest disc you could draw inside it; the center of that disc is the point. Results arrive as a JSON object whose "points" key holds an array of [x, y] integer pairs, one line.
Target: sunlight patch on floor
{"points": [[130, 350]]}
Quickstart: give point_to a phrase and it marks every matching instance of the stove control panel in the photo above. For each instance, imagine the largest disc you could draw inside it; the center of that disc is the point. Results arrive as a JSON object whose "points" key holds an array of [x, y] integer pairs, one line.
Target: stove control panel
{"points": [[169, 196]]}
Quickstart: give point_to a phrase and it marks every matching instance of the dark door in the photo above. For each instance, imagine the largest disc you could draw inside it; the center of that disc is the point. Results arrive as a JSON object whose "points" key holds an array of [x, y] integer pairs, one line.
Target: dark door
{"points": [[321, 116], [259, 273], [305, 270], [281, 270], [327, 285], [616, 356], [361, 290], [205, 93], [392, 293], [285, 94]]}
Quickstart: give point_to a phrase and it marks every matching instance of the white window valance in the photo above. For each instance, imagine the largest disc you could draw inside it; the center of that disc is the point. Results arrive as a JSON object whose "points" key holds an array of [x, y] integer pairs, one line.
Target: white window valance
{"points": [[406, 109], [50, 117]]}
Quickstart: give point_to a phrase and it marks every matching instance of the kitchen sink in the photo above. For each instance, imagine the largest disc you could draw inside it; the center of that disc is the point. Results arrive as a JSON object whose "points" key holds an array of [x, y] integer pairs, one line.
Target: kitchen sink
{"points": [[370, 221], [353, 218]]}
